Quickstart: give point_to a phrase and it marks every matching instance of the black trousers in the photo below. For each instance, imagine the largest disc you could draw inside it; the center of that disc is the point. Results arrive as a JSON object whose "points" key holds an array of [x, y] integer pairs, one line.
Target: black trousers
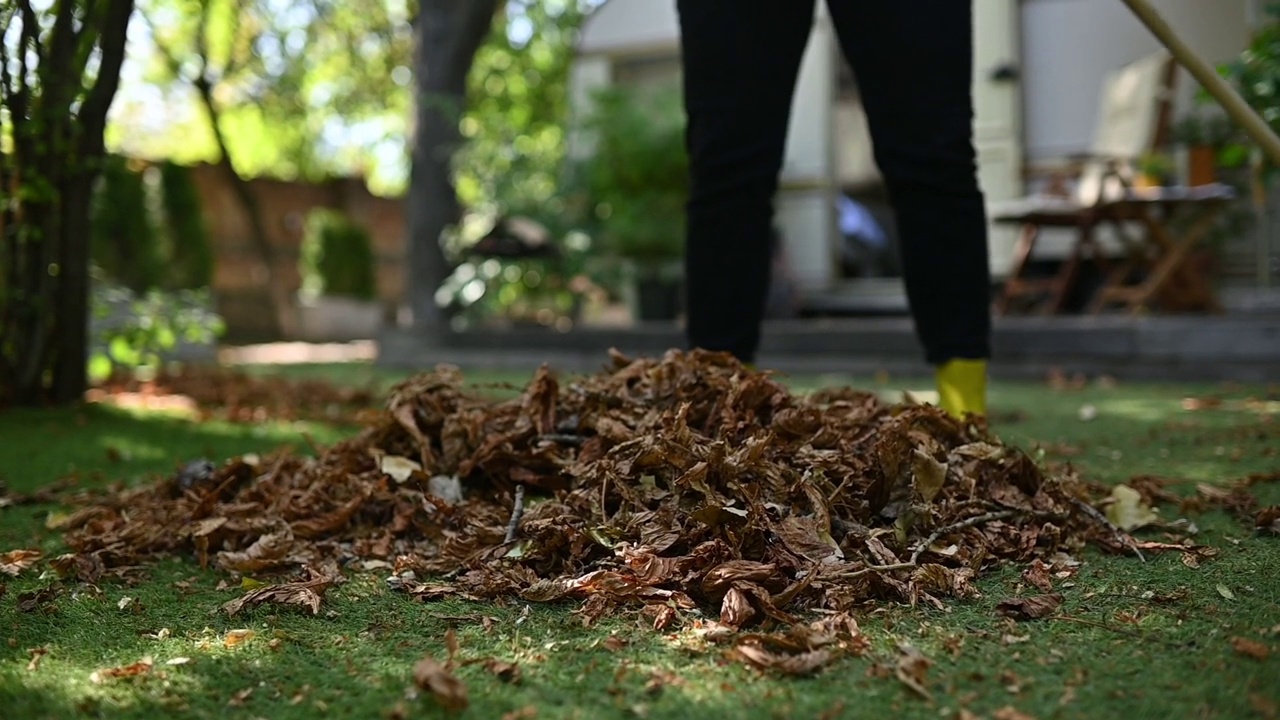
{"points": [[913, 62]]}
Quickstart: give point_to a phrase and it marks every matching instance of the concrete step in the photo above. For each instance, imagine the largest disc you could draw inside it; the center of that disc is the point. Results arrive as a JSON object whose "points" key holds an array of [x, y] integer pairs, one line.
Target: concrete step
{"points": [[1243, 348]]}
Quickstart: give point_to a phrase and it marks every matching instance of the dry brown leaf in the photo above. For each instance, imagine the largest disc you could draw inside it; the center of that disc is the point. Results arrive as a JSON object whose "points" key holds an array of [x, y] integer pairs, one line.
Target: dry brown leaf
{"points": [[236, 638], [239, 697], [1032, 607], [735, 609], [912, 670], [266, 552], [37, 654], [307, 594], [142, 667], [1008, 712], [505, 671], [1266, 707], [1268, 520], [15, 561], [447, 690], [1037, 574], [39, 600], [1250, 648], [800, 664]]}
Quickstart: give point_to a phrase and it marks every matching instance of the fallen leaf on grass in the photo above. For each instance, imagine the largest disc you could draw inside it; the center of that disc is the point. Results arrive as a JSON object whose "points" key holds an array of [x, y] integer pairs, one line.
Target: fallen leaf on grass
{"points": [[1127, 511], [1008, 712], [37, 653], [528, 712], [735, 609], [1268, 520], [142, 667], [236, 638], [398, 468], [240, 697], [15, 561], [912, 671], [804, 663], [1012, 683], [614, 643], [306, 594], [1225, 592], [39, 600], [1038, 575], [178, 661], [1250, 648], [436, 679], [504, 671], [1032, 607], [1264, 706], [267, 551]]}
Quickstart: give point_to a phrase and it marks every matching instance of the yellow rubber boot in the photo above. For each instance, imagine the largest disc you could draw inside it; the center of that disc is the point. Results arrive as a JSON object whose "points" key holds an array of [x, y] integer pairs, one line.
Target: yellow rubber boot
{"points": [[962, 387]]}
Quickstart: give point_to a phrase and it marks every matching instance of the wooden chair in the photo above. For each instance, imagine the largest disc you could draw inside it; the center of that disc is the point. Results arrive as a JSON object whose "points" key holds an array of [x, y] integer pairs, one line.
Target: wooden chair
{"points": [[1134, 115]]}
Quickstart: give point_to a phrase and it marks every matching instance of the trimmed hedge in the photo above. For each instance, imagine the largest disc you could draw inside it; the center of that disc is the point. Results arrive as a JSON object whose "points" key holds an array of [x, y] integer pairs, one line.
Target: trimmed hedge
{"points": [[190, 254], [337, 257]]}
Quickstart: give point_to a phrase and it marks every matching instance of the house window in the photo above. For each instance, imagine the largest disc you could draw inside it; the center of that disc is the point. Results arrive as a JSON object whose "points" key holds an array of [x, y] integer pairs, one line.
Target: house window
{"points": [[647, 71]]}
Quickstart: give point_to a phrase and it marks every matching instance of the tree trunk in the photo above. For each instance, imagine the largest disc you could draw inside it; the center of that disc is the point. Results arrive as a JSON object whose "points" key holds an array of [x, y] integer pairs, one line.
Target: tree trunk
{"points": [[448, 33], [282, 306], [57, 132]]}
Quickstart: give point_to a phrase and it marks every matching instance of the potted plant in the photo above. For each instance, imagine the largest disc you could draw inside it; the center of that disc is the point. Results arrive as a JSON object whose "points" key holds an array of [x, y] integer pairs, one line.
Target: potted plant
{"points": [[635, 185], [1204, 134], [1155, 169]]}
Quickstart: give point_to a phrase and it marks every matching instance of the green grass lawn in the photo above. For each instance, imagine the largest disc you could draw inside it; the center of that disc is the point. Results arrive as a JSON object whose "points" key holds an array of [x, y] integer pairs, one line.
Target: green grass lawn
{"points": [[1136, 640]]}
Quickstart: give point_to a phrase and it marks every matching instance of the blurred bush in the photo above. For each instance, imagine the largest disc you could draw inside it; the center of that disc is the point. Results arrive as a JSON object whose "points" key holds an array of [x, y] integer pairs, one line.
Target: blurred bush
{"points": [[190, 260], [337, 257]]}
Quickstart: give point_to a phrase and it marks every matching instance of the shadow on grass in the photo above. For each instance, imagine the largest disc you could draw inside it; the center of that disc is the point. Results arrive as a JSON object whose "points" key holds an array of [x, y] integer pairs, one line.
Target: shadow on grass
{"points": [[1139, 640]]}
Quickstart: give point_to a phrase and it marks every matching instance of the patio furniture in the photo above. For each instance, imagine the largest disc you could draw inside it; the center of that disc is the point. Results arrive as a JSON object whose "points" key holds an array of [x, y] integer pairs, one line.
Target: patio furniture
{"points": [[1147, 265]]}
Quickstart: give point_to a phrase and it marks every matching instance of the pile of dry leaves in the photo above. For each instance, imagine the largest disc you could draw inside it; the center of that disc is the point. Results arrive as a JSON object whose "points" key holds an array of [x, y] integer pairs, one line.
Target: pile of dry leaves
{"points": [[679, 484]]}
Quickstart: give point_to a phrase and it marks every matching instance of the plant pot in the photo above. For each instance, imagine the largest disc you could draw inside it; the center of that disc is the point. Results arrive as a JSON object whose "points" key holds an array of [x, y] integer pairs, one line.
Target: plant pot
{"points": [[658, 299], [1202, 163]]}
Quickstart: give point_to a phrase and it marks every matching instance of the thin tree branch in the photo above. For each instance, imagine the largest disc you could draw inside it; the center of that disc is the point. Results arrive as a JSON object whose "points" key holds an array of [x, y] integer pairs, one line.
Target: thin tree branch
{"points": [[517, 512], [114, 39], [924, 544]]}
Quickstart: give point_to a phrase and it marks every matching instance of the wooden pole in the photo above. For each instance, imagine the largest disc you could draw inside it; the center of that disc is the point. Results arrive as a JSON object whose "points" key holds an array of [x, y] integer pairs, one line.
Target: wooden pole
{"points": [[1220, 89]]}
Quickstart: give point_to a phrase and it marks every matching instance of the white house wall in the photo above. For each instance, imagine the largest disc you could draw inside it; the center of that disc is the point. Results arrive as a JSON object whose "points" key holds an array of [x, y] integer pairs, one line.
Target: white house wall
{"points": [[1069, 45], [622, 25]]}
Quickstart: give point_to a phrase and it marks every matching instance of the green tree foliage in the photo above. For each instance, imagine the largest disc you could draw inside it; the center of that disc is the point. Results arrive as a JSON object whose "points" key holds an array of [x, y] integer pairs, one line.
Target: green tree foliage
{"points": [[303, 88], [190, 263], [635, 180], [125, 242], [516, 122], [337, 257]]}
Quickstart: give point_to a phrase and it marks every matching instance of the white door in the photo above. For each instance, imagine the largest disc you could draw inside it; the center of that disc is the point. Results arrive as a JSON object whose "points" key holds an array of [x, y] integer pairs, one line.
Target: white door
{"points": [[997, 95]]}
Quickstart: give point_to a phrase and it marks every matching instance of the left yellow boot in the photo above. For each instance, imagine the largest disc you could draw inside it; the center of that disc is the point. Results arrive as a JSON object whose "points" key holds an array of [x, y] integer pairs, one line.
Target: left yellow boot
{"points": [[962, 387]]}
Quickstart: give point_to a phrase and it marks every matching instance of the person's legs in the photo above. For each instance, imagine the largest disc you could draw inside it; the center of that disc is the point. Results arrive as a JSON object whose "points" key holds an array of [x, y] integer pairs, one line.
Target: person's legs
{"points": [[913, 62], [740, 60]]}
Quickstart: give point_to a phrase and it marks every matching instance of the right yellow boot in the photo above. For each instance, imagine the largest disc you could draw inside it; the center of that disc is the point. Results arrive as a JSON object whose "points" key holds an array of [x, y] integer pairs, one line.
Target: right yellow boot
{"points": [[962, 387]]}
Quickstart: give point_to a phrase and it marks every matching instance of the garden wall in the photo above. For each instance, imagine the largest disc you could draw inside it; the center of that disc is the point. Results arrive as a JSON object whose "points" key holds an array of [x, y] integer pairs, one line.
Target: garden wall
{"points": [[239, 282]]}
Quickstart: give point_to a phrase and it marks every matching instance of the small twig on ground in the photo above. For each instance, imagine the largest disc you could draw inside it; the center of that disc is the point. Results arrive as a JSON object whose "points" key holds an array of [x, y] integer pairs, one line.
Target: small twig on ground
{"points": [[1124, 537], [1112, 628], [924, 544], [563, 438], [517, 511], [311, 443]]}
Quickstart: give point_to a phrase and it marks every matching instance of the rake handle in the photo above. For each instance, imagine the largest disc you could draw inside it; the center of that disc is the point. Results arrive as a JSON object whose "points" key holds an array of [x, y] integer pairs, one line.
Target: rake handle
{"points": [[1234, 105]]}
